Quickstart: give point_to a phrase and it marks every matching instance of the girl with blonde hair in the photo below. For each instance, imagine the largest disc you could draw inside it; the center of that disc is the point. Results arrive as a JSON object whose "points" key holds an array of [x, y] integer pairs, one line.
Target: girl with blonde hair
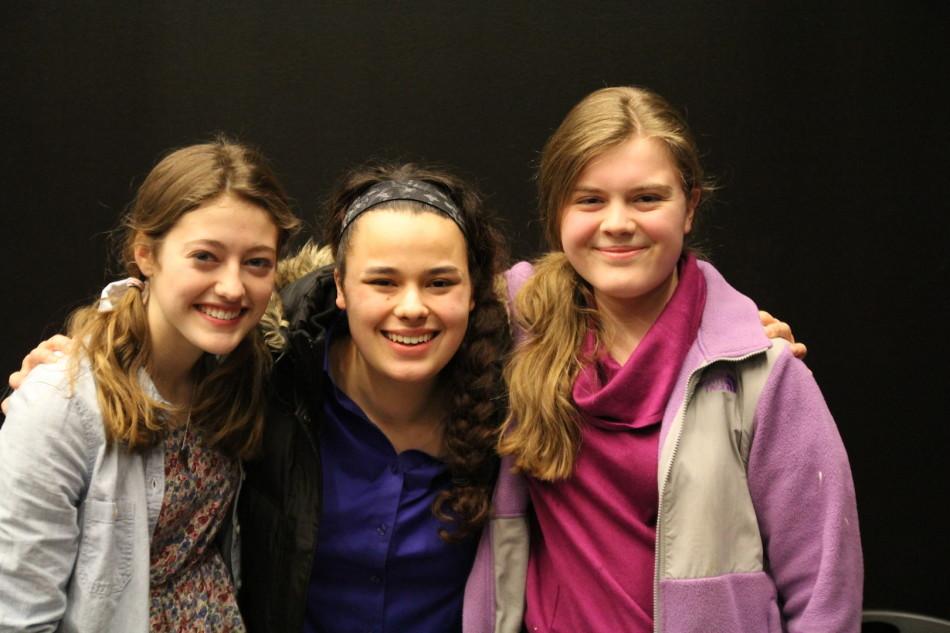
{"points": [[120, 464], [684, 471]]}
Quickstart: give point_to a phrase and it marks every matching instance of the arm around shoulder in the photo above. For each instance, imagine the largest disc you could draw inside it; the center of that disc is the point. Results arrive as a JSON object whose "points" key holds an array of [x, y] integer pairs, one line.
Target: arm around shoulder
{"points": [[45, 457], [801, 485]]}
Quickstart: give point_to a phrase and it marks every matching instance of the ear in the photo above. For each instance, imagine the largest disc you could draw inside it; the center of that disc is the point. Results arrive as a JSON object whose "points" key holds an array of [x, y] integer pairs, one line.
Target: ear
{"points": [[340, 298], [691, 205], [144, 257]]}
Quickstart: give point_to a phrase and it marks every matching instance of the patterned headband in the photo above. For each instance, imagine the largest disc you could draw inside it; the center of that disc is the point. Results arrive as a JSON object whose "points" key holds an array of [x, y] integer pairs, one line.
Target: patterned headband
{"points": [[415, 190]]}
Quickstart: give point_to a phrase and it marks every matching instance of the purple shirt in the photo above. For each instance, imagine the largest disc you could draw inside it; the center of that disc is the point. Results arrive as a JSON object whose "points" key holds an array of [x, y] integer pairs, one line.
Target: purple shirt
{"points": [[592, 550], [380, 565]]}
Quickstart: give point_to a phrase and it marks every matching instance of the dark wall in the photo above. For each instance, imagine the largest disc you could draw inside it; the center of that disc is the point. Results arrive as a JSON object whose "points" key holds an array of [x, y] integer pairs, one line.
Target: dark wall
{"points": [[826, 128]]}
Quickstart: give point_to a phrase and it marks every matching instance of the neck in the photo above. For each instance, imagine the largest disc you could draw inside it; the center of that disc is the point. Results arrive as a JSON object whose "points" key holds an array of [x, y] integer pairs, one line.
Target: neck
{"points": [[626, 321], [174, 383], [410, 414], [171, 360]]}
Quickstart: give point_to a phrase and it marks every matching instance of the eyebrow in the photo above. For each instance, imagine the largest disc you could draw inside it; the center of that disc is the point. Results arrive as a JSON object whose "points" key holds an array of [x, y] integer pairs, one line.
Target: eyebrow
{"points": [[221, 245], [661, 188], [445, 270], [389, 270]]}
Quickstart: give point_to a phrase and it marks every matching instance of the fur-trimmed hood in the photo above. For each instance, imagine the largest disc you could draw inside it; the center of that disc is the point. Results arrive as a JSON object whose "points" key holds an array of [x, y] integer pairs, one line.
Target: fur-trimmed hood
{"points": [[310, 257]]}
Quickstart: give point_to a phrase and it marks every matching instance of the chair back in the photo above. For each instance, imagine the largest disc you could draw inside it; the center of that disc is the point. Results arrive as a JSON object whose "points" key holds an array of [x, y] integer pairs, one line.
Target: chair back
{"points": [[901, 622]]}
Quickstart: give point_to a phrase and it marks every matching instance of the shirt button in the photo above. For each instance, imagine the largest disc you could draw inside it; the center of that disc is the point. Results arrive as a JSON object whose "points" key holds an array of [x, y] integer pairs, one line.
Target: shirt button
{"points": [[394, 468], [375, 579], [381, 530], [154, 483]]}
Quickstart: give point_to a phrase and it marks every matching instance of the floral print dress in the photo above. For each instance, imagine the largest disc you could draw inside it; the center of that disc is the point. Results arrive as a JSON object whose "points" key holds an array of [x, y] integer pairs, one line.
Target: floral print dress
{"points": [[190, 586]]}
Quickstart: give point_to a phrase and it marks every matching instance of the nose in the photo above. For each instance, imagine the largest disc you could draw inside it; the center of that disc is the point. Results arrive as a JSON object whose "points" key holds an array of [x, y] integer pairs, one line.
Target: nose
{"points": [[618, 219], [229, 285], [411, 306]]}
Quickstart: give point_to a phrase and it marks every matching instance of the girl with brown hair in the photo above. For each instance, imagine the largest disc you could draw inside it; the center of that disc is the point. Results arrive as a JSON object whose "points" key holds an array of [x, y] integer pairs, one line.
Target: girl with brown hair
{"points": [[684, 471], [120, 464]]}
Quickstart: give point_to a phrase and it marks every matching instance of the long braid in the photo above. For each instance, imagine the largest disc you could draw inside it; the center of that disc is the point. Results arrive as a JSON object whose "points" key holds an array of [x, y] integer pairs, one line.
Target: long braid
{"points": [[479, 406]]}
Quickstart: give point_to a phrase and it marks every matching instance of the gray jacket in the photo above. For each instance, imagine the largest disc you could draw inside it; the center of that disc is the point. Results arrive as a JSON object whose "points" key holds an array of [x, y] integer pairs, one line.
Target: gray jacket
{"points": [[76, 515]]}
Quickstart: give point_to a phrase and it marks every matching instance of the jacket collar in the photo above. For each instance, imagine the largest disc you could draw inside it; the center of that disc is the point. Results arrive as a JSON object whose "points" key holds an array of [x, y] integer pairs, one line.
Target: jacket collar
{"points": [[309, 310], [730, 327]]}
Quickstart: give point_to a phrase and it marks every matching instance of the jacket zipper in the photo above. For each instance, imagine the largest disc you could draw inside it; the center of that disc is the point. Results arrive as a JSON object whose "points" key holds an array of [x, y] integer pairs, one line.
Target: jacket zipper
{"points": [[687, 396]]}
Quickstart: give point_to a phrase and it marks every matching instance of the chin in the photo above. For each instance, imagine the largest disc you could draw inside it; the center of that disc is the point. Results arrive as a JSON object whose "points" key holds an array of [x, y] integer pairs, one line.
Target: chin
{"points": [[219, 348], [412, 376], [616, 288]]}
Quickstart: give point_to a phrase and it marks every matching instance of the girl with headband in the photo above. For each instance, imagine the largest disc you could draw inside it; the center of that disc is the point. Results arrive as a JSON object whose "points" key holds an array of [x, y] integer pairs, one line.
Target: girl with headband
{"points": [[379, 462], [120, 464], [684, 471]]}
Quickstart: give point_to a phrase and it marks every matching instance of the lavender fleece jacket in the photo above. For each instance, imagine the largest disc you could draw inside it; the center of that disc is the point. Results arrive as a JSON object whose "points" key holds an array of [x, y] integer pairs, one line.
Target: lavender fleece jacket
{"points": [[779, 552]]}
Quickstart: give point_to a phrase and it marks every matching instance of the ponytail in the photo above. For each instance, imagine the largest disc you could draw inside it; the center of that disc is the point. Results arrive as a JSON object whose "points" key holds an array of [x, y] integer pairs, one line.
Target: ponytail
{"points": [[542, 431], [117, 346]]}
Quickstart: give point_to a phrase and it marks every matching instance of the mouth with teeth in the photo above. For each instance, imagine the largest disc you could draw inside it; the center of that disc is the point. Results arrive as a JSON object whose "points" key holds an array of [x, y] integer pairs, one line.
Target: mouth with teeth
{"points": [[410, 340], [221, 314]]}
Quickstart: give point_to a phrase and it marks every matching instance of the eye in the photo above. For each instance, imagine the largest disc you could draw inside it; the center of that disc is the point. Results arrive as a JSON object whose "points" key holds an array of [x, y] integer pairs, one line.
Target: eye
{"points": [[442, 283], [649, 199], [263, 263], [382, 282], [204, 256], [588, 200]]}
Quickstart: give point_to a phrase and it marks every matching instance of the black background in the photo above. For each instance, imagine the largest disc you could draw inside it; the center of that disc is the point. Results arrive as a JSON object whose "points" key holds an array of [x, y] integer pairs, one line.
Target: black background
{"points": [[825, 125]]}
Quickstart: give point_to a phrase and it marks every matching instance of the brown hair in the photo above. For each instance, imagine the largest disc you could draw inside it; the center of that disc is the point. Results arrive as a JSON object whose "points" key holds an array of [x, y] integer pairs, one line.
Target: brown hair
{"points": [[473, 378], [555, 306], [229, 394]]}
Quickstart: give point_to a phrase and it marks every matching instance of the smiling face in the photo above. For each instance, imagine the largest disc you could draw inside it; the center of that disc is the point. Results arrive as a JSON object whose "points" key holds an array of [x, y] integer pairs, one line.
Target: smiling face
{"points": [[623, 224], [210, 278], [407, 294]]}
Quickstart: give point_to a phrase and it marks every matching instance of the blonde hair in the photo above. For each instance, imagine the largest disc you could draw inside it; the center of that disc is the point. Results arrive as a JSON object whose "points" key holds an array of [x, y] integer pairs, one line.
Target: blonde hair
{"points": [[229, 396], [555, 308]]}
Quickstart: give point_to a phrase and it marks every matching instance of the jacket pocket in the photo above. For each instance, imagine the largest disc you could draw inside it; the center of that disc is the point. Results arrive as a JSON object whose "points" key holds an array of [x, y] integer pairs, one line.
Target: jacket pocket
{"points": [[104, 562]]}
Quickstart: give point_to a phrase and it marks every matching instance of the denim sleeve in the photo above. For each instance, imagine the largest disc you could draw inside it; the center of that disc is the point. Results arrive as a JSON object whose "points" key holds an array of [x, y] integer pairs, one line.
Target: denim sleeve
{"points": [[46, 456]]}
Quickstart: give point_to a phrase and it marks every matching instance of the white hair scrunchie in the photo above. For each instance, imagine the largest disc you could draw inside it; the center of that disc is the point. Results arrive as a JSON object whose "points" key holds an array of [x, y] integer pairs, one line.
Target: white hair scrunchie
{"points": [[115, 290]]}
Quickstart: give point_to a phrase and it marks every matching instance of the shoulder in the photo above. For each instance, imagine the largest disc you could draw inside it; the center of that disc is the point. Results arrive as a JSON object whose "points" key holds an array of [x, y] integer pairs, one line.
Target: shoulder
{"points": [[518, 274], [515, 277], [55, 413], [789, 379], [792, 418], [57, 387]]}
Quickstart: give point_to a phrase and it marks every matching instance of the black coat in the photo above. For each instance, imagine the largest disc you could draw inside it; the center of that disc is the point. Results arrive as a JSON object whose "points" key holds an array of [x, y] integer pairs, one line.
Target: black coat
{"points": [[279, 503]]}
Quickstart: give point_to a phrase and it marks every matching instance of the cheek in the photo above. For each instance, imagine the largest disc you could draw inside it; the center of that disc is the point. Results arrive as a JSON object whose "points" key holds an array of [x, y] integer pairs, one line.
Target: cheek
{"points": [[259, 290], [576, 232], [576, 229], [456, 309], [364, 310], [672, 232]]}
